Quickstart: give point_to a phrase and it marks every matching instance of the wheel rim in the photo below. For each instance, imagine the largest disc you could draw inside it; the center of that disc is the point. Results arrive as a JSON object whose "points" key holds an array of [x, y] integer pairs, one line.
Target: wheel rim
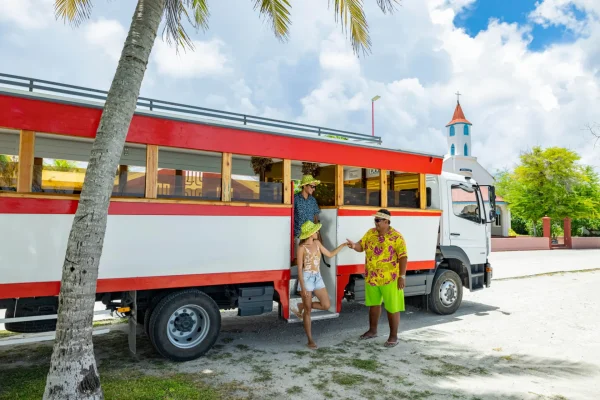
{"points": [[448, 292], [188, 326]]}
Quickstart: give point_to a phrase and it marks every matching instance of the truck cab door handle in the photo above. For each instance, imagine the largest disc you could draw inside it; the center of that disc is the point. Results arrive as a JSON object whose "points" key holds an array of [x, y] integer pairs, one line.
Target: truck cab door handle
{"points": [[455, 234]]}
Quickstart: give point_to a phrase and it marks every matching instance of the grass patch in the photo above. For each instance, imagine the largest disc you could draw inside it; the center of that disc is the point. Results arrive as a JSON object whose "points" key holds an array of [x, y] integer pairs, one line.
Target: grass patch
{"points": [[302, 370], [300, 353], [34, 354], [507, 358], [322, 384], [242, 347], [227, 340], [112, 321], [345, 379], [220, 356], [29, 383], [413, 394], [366, 365], [262, 374], [294, 390], [449, 369], [5, 334]]}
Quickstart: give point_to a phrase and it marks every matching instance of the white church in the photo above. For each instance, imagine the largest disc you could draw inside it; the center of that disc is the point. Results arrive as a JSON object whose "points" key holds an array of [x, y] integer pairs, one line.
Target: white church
{"points": [[460, 160]]}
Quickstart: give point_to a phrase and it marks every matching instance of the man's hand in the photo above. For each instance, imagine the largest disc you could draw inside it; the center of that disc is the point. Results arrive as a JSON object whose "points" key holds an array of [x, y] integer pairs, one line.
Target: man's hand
{"points": [[350, 243], [401, 283]]}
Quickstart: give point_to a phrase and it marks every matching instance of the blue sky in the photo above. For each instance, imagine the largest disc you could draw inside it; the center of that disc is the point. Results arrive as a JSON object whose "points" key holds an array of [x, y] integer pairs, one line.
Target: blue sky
{"points": [[529, 72], [475, 18]]}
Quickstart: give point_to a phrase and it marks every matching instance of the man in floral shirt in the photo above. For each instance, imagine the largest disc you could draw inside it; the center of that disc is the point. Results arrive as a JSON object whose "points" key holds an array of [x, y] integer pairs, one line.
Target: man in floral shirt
{"points": [[385, 274]]}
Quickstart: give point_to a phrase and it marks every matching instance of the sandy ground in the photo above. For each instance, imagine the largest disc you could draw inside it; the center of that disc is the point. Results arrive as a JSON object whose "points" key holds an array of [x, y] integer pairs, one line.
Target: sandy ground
{"points": [[523, 338]]}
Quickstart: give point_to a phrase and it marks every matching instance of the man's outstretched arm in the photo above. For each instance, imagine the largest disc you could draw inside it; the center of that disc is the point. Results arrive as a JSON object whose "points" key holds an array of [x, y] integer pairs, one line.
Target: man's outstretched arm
{"points": [[355, 246]]}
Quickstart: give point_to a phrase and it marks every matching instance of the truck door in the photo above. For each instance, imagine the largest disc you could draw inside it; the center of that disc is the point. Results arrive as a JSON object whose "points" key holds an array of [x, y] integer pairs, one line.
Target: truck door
{"points": [[467, 226]]}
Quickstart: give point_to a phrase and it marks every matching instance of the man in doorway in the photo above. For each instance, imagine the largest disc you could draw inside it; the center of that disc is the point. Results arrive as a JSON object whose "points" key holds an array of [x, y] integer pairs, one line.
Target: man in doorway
{"points": [[385, 274], [305, 206]]}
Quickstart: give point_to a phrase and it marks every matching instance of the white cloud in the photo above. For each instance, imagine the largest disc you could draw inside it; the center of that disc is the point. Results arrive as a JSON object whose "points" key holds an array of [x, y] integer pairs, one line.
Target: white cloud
{"points": [[206, 59], [557, 12], [28, 14], [109, 35]]}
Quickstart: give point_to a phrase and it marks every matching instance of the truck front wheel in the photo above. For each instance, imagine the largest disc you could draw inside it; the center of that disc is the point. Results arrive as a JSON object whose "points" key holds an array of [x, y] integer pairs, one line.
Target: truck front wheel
{"points": [[446, 292], [184, 325]]}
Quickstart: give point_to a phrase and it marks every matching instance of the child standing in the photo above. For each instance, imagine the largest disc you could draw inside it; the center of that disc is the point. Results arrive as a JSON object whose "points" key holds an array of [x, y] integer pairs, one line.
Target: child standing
{"points": [[309, 275]]}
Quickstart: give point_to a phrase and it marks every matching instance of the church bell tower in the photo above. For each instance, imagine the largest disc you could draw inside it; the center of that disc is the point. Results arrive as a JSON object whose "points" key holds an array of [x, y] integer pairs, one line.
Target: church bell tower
{"points": [[459, 132]]}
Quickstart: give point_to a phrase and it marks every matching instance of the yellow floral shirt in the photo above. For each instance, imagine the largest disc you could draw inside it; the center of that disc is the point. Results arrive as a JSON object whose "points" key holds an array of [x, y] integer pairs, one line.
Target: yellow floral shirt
{"points": [[382, 255]]}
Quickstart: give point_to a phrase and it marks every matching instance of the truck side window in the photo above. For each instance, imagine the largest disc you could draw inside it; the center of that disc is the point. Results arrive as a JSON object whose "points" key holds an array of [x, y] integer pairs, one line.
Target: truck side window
{"points": [[465, 204]]}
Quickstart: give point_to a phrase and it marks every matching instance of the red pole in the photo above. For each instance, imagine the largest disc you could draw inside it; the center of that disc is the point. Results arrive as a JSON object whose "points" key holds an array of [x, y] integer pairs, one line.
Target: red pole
{"points": [[372, 118]]}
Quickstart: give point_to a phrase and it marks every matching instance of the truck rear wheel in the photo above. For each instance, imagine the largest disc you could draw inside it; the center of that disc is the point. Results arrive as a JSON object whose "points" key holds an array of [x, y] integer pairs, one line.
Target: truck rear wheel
{"points": [[446, 292], [32, 308], [184, 325]]}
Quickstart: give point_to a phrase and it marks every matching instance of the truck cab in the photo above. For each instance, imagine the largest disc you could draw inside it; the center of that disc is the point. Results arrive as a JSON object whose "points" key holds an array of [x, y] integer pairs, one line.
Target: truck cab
{"points": [[464, 238]]}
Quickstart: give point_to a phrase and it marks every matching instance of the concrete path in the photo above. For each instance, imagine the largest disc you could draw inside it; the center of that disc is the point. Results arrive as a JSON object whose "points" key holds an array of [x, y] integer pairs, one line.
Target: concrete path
{"points": [[513, 264]]}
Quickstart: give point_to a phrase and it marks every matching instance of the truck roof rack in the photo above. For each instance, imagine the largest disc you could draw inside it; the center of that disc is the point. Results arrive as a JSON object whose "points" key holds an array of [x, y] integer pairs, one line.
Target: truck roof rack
{"points": [[148, 104]]}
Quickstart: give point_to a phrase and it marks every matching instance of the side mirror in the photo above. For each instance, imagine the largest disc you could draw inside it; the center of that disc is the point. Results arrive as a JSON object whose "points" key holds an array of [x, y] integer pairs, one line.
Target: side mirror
{"points": [[492, 197], [492, 215]]}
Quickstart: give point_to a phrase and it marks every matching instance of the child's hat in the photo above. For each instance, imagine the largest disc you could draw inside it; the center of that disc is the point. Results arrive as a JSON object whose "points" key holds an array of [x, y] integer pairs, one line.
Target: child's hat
{"points": [[308, 229]]}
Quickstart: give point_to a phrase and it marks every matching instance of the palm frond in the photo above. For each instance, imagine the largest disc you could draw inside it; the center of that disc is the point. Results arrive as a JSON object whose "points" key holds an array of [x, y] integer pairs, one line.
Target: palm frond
{"points": [[73, 11], [278, 12], [175, 10], [387, 5], [351, 13]]}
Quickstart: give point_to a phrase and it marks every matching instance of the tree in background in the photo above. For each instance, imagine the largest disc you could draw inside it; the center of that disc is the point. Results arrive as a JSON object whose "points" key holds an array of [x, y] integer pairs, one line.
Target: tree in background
{"points": [[73, 373], [550, 182]]}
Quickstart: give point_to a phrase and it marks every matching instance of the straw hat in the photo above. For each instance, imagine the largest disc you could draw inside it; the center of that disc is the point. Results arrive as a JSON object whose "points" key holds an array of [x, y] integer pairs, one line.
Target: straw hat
{"points": [[308, 229], [308, 179], [383, 214]]}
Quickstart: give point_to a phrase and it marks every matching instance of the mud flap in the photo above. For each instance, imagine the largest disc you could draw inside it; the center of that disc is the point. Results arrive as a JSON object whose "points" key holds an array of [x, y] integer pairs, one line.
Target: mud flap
{"points": [[489, 272], [132, 322]]}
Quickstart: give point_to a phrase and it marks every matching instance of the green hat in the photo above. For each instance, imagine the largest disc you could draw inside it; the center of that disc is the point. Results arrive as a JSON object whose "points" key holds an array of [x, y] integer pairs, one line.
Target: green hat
{"points": [[308, 179], [308, 229]]}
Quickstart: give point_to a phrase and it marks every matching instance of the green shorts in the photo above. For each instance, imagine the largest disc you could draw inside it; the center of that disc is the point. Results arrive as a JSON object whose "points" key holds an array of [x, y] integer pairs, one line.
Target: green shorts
{"points": [[392, 297]]}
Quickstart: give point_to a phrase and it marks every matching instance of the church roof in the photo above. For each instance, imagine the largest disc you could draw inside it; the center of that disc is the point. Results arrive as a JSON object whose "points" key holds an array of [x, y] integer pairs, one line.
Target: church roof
{"points": [[459, 116]]}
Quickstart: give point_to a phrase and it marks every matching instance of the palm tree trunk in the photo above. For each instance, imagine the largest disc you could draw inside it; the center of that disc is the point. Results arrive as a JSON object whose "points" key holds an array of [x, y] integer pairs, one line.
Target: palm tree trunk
{"points": [[73, 373]]}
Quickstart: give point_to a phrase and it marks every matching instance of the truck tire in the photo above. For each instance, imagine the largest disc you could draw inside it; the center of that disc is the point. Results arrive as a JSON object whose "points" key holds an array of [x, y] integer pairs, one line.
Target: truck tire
{"points": [[32, 308], [446, 292], [184, 325]]}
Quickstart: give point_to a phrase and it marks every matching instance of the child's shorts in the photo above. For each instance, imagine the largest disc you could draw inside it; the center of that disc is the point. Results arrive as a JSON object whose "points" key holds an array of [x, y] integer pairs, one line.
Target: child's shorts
{"points": [[312, 281]]}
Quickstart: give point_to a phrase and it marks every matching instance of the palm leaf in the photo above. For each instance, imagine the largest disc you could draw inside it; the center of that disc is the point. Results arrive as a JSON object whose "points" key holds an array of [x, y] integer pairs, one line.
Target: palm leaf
{"points": [[387, 5], [73, 11], [352, 15], [278, 12], [174, 11]]}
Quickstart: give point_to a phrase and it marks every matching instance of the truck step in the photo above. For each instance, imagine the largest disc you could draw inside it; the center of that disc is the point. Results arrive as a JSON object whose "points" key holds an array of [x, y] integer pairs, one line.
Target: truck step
{"points": [[316, 315]]}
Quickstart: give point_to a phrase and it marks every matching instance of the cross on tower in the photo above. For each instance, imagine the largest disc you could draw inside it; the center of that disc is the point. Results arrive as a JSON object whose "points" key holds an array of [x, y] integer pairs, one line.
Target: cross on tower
{"points": [[457, 96]]}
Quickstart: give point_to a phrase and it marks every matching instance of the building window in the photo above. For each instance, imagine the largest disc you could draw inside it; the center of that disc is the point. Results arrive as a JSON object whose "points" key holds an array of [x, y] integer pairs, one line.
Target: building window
{"points": [[403, 190], [193, 175], [325, 173], [362, 187], [466, 149], [465, 203], [452, 133], [256, 179], [466, 130], [452, 150], [9, 161]]}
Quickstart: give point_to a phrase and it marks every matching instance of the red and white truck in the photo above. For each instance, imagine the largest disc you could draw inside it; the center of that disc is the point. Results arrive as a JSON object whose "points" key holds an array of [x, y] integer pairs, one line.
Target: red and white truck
{"points": [[201, 218]]}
